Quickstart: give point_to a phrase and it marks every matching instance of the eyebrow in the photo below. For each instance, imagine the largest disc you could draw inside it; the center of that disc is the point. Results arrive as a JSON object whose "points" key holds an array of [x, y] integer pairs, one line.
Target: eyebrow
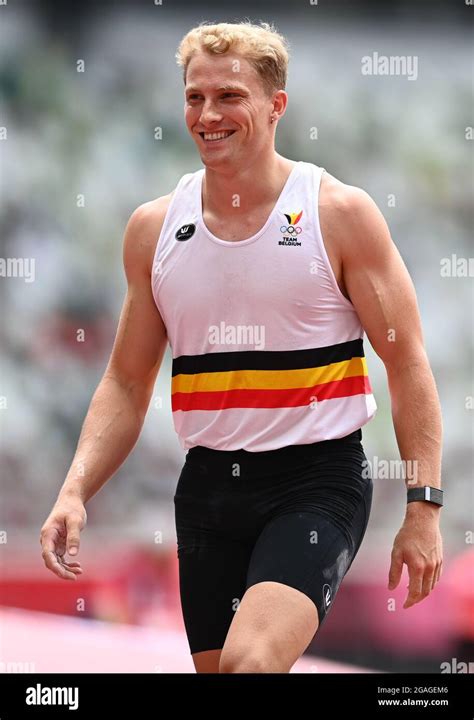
{"points": [[239, 88]]}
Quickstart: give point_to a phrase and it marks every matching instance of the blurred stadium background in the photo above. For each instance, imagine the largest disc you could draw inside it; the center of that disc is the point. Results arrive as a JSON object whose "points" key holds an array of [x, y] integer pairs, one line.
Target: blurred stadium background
{"points": [[79, 153]]}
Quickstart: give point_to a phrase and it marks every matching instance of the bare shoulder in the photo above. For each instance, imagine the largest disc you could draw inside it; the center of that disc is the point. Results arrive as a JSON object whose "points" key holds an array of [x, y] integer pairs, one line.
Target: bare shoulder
{"points": [[142, 233], [350, 218], [344, 200]]}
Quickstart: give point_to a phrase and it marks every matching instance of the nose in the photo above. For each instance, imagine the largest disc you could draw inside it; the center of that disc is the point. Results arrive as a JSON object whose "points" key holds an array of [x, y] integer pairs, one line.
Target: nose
{"points": [[209, 114]]}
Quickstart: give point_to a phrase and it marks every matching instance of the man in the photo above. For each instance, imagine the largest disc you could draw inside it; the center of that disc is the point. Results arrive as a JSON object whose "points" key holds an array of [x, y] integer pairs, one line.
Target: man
{"points": [[262, 273]]}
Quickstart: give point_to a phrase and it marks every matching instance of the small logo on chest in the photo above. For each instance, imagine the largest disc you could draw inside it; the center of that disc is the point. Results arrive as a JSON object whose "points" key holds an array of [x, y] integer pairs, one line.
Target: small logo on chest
{"points": [[185, 231], [292, 229]]}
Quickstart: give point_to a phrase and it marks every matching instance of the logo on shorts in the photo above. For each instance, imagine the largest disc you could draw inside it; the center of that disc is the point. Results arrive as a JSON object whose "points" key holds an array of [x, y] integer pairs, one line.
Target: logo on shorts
{"points": [[185, 231], [291, 230], [327, 596]]}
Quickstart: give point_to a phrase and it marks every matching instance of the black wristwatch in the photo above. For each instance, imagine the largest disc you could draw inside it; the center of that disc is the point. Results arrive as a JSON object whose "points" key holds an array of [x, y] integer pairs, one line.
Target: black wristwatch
{"points": [[427, 493]]}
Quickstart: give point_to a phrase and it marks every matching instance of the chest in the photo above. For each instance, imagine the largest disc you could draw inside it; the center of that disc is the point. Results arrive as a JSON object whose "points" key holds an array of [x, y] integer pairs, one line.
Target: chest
{"points": [[235, 226]]}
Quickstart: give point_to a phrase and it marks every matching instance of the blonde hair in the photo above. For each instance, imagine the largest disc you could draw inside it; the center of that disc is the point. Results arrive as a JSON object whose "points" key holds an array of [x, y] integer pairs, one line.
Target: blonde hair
{"points": [[262, 45]]}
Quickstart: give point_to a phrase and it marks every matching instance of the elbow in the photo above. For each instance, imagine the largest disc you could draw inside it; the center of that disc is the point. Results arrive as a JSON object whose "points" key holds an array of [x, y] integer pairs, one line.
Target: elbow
{"points": [[137, 394]]}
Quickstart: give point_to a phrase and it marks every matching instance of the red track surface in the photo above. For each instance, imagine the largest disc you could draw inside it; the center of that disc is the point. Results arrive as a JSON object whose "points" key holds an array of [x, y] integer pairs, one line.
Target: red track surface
{"points": [[41, 642]]}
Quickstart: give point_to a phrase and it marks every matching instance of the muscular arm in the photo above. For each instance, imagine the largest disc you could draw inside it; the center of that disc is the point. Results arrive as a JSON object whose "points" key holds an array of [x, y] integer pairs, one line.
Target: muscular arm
{"points": [[382, 292], [383, 295], [120, 402], [118, 407]]}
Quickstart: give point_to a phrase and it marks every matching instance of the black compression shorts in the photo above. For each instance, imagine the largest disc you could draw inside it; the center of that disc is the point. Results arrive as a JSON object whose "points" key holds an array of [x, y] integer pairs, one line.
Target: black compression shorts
{"points": [[296, 515]]}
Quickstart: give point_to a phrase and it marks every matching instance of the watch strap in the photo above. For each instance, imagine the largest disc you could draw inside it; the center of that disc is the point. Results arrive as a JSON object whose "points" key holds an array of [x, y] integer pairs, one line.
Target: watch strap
{"points": [[427, 493]]}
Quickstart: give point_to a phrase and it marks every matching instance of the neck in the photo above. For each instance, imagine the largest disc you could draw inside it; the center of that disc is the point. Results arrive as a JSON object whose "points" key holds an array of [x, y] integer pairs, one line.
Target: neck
{"points": [[253, 185]]}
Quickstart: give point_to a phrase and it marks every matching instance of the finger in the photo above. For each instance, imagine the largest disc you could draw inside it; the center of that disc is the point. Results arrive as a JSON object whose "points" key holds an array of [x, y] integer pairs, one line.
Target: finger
{"points": [[61, 544], [415, 585], [428, 580], [69, 563], [52, 563], [439, 571], [76, 570], [49, 538], [71, 566], [436, 574], [49, 545], [73, 535], [395, 573]]}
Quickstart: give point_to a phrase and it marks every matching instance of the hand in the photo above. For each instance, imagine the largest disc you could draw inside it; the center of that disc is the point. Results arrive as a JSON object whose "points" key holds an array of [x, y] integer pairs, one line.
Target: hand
{"points": [[61, 532], [419, 545]]}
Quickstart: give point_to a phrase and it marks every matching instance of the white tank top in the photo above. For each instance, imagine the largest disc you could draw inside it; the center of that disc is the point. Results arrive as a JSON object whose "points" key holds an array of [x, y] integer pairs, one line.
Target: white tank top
{"points": [[266, 350]]}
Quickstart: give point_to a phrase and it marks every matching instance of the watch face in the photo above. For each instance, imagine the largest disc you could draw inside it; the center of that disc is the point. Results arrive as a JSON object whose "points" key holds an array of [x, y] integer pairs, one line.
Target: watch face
{"points": [[434, 495]]}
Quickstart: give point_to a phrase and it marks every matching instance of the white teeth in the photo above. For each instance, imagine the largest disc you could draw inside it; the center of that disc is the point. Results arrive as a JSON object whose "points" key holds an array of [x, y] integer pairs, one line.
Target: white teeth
{"points": [[217, 136]]}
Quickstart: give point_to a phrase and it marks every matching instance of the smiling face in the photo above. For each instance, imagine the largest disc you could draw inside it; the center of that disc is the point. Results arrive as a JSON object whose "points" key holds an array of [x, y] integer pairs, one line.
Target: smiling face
{"points": [[228, 113]]}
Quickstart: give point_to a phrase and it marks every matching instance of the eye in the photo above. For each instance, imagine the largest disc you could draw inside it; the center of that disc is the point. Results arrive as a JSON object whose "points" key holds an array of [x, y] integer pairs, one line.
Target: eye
{"points": [[230, 94]]}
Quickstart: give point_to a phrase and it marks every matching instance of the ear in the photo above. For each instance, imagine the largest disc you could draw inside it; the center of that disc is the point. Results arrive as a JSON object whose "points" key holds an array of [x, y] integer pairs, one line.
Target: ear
{"points": [[280, 102]]}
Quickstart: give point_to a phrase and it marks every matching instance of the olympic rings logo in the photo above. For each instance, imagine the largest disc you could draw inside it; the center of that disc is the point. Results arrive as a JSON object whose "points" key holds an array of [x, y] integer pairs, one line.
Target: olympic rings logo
{"points": [[290, 229]]}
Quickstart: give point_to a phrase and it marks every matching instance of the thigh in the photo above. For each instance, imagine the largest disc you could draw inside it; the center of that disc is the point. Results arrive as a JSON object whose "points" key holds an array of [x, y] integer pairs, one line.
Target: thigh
{"points": [[273, 627], [212, 583], [307, 551], [207, 661], [212, 557]]}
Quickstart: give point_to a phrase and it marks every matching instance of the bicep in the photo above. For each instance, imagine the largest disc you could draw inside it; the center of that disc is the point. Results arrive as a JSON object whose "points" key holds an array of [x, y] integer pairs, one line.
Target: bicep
{"points": [[380, 287], [141, 337]]}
